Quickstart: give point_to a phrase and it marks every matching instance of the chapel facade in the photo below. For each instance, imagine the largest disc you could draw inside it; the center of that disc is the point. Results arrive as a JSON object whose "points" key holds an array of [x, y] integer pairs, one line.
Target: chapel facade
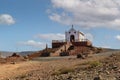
{"points": [[75, 37]]}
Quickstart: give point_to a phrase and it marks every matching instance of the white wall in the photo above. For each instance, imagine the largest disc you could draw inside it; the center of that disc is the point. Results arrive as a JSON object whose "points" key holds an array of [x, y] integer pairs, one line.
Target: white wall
{"points": [[77, 35]]}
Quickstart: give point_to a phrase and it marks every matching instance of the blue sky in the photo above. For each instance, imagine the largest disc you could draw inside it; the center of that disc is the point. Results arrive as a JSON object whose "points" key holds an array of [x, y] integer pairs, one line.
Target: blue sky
{"points": [[27, 25]]}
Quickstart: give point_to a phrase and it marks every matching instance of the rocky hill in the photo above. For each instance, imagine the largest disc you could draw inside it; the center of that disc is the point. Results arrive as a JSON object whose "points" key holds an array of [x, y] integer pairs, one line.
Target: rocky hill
{"points": [[100, 64], [72, 50]]}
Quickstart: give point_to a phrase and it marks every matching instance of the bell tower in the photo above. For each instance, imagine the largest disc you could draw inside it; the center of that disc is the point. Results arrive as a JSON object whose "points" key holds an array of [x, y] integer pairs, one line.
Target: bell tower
{"points": [[72, 35]]}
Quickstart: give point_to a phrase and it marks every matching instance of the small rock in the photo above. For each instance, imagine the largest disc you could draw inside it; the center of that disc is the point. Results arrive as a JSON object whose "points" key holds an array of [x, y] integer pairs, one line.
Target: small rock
{"points": [[114, 67], [119, 70], [69, 78], [118, 78], [107, 72], [97, 78], [13, 62]]}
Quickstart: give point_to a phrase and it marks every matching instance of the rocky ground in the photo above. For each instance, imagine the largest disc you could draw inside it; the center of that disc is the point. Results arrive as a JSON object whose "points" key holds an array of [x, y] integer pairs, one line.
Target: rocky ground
{"points": [[105, 69], [95, 67]]}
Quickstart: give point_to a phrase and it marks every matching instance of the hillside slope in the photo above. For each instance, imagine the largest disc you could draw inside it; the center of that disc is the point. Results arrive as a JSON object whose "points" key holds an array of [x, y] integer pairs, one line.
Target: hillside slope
{"points": [[95, 66]]}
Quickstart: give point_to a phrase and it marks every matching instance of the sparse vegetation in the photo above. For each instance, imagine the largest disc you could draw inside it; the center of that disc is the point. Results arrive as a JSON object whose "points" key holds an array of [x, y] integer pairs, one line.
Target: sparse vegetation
{"points": [[91, 64], [15, 55], [21, 76], [63, 70], [94, 63], [88, 64], [64, 54], [45, 54], [79, 56], [71, 48]]}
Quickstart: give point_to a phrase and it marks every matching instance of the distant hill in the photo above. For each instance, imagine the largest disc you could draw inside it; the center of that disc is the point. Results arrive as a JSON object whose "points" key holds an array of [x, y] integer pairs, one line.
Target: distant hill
{"points": [[23, 53], [5, 53]]}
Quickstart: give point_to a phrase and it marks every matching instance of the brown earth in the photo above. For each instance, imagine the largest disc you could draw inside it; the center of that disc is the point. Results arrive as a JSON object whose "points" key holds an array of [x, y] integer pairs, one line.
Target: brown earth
{"points": [[105, 66], [75, 51]]}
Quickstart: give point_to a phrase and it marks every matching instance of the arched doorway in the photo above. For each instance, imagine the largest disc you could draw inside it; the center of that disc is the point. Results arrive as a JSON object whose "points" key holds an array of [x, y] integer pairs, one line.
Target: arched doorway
{"points": [[72, 38]]}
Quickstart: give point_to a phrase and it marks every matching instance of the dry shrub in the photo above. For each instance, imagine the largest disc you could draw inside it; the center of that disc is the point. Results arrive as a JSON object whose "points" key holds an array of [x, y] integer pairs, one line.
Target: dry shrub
{"points": [[64, 70], [95, 63]]}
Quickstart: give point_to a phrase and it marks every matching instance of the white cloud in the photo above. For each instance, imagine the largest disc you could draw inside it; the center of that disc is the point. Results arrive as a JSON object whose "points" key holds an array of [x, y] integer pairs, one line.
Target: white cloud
{"points": [[6, 19], [51, 36], [42, 45], [33, 44], [118, 37], [87, 13], [89, 36]]}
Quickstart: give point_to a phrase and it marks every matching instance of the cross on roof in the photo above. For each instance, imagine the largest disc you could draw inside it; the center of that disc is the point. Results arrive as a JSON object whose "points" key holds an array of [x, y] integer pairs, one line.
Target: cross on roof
{"points": [[72, 26]]}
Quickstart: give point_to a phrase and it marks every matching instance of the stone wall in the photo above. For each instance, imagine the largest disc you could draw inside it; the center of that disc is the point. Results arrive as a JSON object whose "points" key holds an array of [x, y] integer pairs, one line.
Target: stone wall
{"points": [[83, 43], [58, 44]]}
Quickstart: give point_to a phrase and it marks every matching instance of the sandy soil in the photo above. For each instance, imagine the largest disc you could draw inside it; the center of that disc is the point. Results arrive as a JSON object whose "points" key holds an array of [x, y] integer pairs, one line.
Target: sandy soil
{"points": [[12, 70], [39, 70]]}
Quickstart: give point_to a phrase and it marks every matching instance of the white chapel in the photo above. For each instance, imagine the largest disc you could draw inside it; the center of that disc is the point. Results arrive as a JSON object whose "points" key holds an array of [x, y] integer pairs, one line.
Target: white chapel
{"points": [[74, 36]]}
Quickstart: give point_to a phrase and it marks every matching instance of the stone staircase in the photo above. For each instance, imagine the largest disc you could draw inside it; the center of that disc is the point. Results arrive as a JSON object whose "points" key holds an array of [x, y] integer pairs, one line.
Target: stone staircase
{"points": [[62, 48]]}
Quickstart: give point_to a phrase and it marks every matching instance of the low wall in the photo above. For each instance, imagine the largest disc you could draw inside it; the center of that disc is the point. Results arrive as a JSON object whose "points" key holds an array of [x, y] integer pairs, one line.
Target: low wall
{"points": [[58, 44], [85, 43]]}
